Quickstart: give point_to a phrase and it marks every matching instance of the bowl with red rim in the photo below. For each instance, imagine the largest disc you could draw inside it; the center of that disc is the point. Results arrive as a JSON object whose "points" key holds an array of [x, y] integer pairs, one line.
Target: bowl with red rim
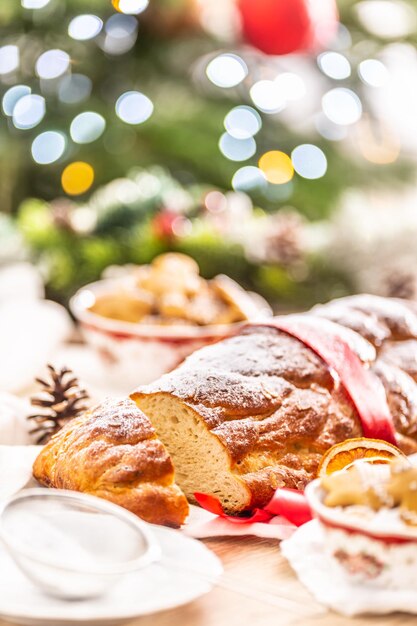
{"points": [[138, 353], [371, 547]]}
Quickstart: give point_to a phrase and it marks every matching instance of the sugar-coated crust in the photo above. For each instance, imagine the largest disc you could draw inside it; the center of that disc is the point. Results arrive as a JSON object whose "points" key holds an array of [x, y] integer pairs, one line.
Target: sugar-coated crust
{"points": [[273, 403], [112, 452]]}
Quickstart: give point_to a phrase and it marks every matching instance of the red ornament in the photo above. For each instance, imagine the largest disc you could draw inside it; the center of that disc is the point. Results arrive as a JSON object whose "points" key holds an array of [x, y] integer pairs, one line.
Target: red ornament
{"points": [[285, 26], [162, 224], [168, 225]]}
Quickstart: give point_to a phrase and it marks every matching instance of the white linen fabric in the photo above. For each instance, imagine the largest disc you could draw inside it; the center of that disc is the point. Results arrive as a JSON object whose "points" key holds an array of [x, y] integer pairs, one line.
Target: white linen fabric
{"points": [[31, 329], [320, 574]]}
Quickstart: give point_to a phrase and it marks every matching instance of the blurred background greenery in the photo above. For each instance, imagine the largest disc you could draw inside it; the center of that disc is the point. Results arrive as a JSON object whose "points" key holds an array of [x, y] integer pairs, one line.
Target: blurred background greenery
{"points": [[272, 140]]}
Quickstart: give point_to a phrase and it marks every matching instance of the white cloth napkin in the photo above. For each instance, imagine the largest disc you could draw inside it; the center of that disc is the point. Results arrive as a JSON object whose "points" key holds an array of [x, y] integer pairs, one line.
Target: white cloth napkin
{"points": [[322, 577], [202, 523], [16, 468], [14, 426]]}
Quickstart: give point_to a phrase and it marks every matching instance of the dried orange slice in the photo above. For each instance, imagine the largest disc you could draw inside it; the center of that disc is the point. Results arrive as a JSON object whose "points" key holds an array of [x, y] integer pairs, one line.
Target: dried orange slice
{"points": [[342, 455]]}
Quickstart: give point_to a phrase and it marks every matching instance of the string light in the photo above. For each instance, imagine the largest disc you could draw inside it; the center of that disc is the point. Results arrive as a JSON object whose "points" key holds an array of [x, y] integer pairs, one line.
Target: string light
{"points": [[77, 178], [334, 65], [121, 34], [242, 122], [133, 107], [34, 4], [120, 26], [87, 127], [9, 59], [48, 147], [309, 161], [248, 178], [291, 86], [329, 130], [277, 167], [267, 96], [215, 201], [74, 88], [387, 19], [373, 72], [84, 27], [130, 7], [237, 149], [227, 70], [377, 142], [28, 111], [342, 106], [52, 63], [12, 96]]}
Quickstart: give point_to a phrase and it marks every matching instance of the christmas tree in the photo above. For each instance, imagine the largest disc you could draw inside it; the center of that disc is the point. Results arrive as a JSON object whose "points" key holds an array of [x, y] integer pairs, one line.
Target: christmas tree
{"points": [[222, 129]]}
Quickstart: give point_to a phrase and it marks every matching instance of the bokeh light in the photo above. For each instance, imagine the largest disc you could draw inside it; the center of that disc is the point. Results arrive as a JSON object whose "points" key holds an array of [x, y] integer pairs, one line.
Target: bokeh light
{"points": [[342, 106], [87, 127], [373, 72], [237, 149], [334, 65], [77, 178], [387, 19], [329, 130], [84, 27], [291, 86], [130, 7], [121, 33], [227, 70], [215, 201], [279, 193], [133, 107], [9, 59], [277, 167], [120, 26], [11, 97], [48, 147], [74, 88], [377, 141], [309, 161], [52, 63], [248, 178], [242, 122], [28, 111], [267, 96], [34, 4]]}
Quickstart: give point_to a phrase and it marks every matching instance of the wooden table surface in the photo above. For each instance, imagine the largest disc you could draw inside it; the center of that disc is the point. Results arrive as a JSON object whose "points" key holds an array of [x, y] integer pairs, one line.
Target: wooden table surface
{"points": [[257, 564]]}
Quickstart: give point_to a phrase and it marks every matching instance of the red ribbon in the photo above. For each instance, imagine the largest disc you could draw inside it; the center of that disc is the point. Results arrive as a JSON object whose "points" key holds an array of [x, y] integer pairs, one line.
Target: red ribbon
{"points": [[363, 387], [291, 504], [288, 503]]}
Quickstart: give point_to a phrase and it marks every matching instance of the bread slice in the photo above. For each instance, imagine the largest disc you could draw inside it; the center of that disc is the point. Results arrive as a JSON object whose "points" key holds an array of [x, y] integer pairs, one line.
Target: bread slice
{"points": [[201, 461], [112, 452]]}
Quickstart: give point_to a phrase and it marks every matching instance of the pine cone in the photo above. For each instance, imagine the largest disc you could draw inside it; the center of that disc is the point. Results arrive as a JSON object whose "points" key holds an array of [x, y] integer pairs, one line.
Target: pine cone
{"points": [[62, 398]]}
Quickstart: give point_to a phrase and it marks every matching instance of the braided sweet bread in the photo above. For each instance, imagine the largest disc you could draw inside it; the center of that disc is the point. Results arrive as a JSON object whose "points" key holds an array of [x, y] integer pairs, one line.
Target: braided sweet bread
{"points": [[257, 411]]}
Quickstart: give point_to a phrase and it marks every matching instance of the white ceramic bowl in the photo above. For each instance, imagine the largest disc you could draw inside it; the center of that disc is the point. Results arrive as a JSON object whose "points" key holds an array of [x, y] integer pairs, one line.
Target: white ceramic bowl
{"points": [[370, 547], [73, 545], [139, 353]]}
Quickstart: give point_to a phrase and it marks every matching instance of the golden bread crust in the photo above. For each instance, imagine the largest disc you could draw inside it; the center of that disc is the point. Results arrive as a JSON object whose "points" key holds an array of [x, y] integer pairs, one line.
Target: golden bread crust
{"points": [[112, 452]]}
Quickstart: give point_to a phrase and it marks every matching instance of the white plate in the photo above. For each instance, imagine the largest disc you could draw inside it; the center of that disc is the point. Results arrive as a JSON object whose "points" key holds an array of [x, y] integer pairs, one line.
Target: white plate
{"points": [[154, 589]]}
